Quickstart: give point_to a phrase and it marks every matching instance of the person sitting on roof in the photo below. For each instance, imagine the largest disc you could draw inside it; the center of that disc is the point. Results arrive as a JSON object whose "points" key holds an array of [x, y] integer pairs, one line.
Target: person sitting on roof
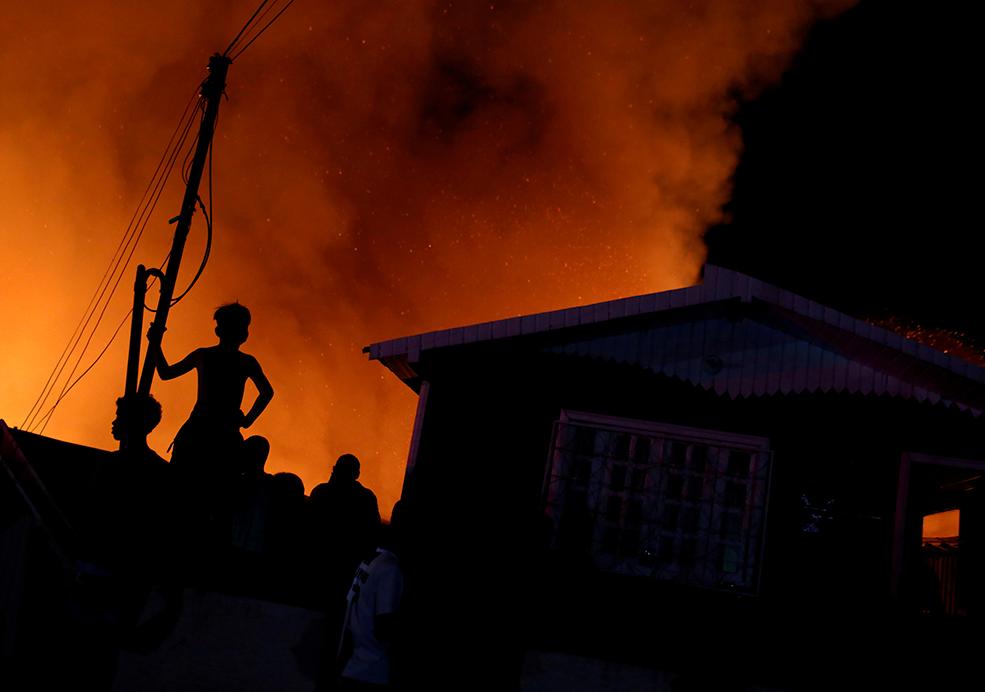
{"points": [[136, 417], [127, 494], [125, 551]]}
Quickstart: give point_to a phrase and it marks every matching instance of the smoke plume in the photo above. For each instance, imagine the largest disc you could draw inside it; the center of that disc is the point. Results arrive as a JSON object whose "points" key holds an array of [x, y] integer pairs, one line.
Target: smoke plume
{"points": [[380, 169]]}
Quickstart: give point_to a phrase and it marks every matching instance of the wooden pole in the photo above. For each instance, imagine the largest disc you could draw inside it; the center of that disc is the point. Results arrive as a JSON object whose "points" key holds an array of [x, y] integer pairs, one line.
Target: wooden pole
{"points": [[212, 90], [136, 330]]}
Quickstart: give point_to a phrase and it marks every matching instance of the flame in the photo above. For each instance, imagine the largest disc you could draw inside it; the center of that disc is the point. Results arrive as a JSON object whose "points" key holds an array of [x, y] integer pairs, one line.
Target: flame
{"points": [[950, 341], [380, 169]]}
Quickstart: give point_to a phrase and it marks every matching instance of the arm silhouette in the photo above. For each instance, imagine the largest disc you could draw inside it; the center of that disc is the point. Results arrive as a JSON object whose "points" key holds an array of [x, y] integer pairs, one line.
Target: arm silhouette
{"points": [[266, 393], [169, 372]]}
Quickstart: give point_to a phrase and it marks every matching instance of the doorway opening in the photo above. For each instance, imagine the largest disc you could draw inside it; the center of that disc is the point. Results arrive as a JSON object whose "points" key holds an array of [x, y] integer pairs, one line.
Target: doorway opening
{"points": [[938, 560]]}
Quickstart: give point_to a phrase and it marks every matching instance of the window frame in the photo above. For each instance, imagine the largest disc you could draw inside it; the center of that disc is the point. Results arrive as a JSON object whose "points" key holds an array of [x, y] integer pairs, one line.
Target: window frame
{"points": [[655, 497]]}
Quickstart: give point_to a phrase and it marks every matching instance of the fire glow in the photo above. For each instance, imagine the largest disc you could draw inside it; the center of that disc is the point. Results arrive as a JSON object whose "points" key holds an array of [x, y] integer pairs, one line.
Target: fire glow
{"points": [[379, 170]]}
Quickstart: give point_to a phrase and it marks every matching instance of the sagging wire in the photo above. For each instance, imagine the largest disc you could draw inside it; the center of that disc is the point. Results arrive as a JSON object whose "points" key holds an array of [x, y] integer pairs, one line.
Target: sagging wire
{"points": [[43, 422], [119, 277], [132, 236], [153, 188], [208, 238], [127, 247], [245, 27], [254, 23]]}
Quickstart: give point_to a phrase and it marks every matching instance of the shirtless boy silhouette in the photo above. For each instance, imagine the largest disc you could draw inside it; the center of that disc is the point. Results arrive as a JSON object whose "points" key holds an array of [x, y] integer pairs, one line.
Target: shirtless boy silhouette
{"points": [[209, 443]]}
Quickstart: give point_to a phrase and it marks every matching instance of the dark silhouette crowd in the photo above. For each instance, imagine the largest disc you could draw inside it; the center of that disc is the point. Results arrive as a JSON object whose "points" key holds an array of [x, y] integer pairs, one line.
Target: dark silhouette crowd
{"points": [[214, 518]]}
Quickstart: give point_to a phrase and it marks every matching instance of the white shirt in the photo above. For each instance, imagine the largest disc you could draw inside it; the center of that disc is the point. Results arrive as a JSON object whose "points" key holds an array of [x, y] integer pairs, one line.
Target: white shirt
{"points": [[376, 590]]}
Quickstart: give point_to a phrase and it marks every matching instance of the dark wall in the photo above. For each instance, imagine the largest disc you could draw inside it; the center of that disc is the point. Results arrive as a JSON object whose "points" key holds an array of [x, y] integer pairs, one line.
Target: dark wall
{"points": [[480, 535]]}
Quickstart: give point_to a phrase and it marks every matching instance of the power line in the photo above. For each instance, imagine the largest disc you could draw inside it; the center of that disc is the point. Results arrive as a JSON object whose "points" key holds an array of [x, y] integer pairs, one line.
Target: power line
{"points": [[132, 235], [208, 237], [245, 27], [47, 417], [43, 422], [135, 237], [119, 276], [113, 264], [260, 33]]}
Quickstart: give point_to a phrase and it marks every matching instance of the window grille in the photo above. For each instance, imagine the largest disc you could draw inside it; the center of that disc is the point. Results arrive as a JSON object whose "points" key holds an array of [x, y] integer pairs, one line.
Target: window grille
{"points": [[667, 502]]}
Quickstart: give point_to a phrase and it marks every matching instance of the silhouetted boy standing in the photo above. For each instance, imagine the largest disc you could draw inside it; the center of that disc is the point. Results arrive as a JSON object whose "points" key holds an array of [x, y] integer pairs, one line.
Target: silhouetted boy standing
{"points": [[208, 445]]}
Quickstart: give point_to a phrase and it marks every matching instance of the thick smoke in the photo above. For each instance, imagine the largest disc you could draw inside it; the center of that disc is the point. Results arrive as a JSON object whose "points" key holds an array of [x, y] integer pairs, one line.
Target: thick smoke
{"points": [[380, 169]]}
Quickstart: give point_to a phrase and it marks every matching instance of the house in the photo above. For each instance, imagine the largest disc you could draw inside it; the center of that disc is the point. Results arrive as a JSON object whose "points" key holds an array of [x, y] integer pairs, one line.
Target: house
{"points": [[722, 486]]}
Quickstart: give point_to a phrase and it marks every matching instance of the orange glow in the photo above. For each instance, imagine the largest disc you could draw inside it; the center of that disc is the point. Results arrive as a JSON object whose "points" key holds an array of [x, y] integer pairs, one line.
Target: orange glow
{"points": [[380, 170], [949, 341], [942, 524]]}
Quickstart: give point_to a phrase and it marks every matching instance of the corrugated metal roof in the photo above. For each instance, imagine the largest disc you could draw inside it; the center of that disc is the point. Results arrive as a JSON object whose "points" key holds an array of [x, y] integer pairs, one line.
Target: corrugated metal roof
{"points": [[747, 358], [838, 353]]}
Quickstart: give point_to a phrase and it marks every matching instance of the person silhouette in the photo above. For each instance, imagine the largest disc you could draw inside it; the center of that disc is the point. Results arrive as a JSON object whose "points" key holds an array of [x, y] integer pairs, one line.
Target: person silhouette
{"points": [[373, 613], [285, 526], [346, 513], [251, 495], [124, 547], [127, 495], [285, 537], [209, 444], [136, 417]]}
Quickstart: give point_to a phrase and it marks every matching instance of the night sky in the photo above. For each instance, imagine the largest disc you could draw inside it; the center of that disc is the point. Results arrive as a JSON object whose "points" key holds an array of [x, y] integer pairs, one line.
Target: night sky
{"points": [[859, 182]]}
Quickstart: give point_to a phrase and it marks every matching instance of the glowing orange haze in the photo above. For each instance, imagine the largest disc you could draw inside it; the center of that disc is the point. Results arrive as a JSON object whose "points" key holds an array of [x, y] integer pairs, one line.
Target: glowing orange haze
{"points": [[380, 169]]}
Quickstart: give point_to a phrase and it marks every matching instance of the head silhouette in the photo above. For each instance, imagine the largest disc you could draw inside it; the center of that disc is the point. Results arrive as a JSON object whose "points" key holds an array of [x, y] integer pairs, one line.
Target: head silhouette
{"points": [[232, 323], [136, 414], [288, 487], [398, 516], [256, 449], [392, 535], [346, 469]]}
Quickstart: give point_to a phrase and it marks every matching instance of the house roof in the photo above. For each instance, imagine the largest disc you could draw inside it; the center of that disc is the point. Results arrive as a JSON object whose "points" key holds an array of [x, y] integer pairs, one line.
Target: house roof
{"points": [[792, 344]]}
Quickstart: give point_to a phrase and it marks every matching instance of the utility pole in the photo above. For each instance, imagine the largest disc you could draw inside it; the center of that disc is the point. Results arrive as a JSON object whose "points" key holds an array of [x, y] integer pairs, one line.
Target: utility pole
{"points": [[136, 330], [212, 90]]}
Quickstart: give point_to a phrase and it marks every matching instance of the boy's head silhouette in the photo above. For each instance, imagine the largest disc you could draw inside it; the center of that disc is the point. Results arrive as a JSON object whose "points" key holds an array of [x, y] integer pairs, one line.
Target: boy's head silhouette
{"points": [[136, 414], [232, 324]]}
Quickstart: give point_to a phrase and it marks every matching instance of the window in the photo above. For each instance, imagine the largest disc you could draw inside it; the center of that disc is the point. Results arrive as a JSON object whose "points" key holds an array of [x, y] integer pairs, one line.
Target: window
{"points": [[666, 502], [941, 527]]}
